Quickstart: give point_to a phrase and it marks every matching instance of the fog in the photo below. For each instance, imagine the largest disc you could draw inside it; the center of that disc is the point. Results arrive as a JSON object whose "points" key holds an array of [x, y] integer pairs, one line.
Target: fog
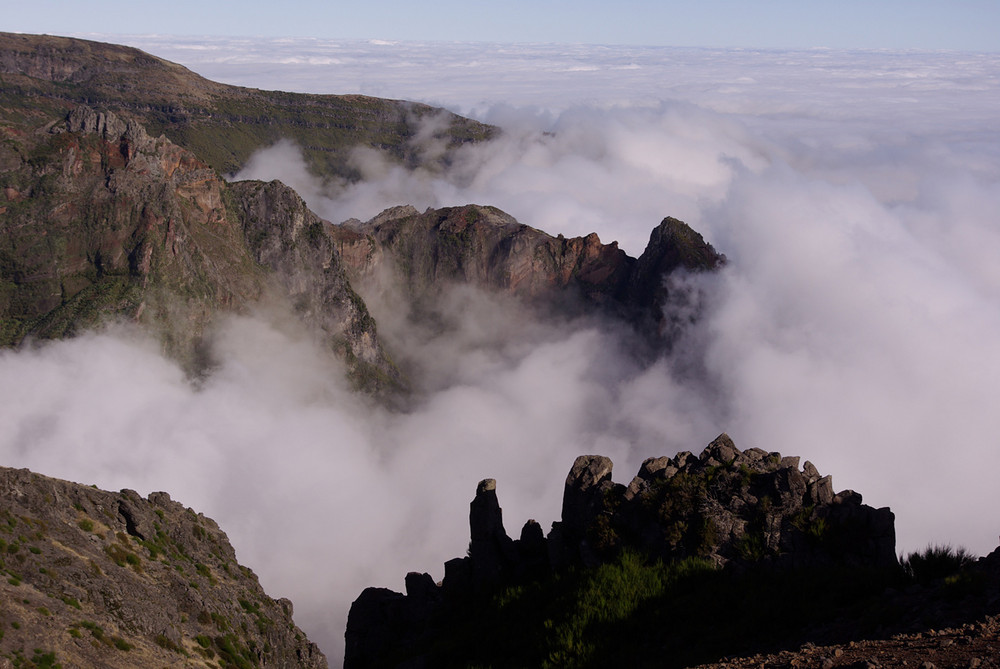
{"points": [[855, 194]]}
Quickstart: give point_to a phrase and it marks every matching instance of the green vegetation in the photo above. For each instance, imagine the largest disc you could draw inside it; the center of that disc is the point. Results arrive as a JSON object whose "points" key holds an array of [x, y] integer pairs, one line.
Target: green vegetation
{"points": [[631, 609], [234, 653], [39, 660], [121, 556], [165, 642], [936, 562], [97, 632]]}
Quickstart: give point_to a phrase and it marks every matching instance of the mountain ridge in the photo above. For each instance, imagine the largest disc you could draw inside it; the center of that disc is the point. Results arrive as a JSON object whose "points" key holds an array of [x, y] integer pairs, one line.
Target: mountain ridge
{"points": [[222, 124]]}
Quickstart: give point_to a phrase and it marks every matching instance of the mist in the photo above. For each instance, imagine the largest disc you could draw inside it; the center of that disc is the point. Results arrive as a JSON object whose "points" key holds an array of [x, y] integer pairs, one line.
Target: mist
{"points": [[855, 194]]}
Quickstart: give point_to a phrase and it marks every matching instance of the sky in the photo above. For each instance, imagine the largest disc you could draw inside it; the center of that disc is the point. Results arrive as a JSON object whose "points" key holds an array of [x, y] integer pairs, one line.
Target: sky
{"points": [[857, 325], [971, 25]]}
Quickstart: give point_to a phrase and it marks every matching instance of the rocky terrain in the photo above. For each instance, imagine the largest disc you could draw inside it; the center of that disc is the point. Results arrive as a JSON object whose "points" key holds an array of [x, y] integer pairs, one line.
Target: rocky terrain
{"points": [[101, 219], [101, 579], [113, 207], [741, 558], [423, 253]]}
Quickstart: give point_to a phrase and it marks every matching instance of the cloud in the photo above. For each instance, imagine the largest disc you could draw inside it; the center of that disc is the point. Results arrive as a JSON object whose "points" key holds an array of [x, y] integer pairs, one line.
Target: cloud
{"points": [[856, 325], [322, 492]]}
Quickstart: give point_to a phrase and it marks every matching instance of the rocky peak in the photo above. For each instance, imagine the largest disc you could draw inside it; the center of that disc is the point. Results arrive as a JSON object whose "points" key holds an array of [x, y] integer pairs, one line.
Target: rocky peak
{"points": [[587, 484], [489, 249], [294, 244], [139, 228], [481, 246], [109, 126]]}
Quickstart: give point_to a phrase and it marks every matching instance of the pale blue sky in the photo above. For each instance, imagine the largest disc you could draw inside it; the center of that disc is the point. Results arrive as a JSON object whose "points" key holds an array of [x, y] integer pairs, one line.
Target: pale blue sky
{"points": [[907, 24]]}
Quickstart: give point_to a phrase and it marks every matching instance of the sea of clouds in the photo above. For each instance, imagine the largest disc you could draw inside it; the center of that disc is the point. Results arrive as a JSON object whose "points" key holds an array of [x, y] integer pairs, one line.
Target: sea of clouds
{"points": [[855, 194]]}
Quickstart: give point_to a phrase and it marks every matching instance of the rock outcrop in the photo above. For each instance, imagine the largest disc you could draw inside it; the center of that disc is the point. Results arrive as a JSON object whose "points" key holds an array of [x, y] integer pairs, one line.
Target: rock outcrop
{"points": [[487, 248], [294, 244], [102, 579], [740, 510], [102, 221], [730, 506]]}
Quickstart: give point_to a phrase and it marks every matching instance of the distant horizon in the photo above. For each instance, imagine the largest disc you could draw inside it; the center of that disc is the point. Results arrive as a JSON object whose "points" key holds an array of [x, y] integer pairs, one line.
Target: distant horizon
{"points": [[962, 25], [386, 41]]}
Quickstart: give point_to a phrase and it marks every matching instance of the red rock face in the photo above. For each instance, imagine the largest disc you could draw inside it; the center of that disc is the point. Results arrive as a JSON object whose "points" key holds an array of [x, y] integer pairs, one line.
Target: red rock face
{"points": [[484, 247], [99, 217]]}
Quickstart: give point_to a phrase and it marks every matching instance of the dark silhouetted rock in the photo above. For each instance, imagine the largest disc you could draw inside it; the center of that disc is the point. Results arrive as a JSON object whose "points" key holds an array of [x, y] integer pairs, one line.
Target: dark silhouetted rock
{"points": [[491, 550], [741, 510]]}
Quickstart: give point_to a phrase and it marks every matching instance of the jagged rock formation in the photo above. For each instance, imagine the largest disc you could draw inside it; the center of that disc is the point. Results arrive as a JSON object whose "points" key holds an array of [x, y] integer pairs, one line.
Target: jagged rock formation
{"points": [[742, 510], [223, 125], [294, 243], [484, 247], [101, 579], [101, 220], [730, 506]]}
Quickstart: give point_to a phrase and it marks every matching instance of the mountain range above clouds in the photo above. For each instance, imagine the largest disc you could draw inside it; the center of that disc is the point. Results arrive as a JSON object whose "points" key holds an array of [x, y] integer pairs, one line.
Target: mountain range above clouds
{"points": [[115, 208], [104, 220]]}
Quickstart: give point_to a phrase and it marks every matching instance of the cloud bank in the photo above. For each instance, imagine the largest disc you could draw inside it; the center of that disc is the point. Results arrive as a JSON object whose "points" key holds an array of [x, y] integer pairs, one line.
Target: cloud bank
{"points": [[857, 324]]}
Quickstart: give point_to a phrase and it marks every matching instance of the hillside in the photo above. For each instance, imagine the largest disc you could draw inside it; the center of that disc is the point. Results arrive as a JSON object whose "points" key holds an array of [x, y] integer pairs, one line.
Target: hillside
{"points": [[43, 77], [102, 579]]}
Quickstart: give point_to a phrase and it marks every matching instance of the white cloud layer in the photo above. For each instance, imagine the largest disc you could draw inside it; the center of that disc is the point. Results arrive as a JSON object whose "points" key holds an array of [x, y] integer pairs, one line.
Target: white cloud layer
{"points": [[857, 324]]}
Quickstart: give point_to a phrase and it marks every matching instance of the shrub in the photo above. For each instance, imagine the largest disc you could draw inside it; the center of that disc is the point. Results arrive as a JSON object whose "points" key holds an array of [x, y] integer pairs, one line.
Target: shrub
{"points": [[936, 562]]}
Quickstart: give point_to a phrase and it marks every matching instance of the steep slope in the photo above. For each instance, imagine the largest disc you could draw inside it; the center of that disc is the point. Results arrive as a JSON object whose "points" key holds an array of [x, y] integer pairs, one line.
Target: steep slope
{"points": [[98, 220], [223, 125], [101, 579], [295, 244]]}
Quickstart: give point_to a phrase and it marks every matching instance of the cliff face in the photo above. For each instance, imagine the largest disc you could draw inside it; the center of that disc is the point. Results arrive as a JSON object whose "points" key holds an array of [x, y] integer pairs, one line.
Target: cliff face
{"points": [[295, 245], [98, 218], [486, 248], [100, 221], [101, 579]]}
